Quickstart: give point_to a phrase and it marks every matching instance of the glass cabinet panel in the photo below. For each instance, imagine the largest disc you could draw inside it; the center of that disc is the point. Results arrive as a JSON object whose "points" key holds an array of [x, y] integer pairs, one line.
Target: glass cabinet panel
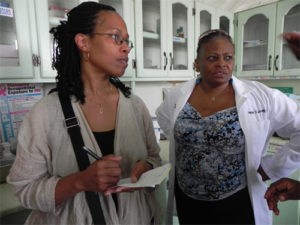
{"points": [[58, 12], [117, 4], [205, 21], [255, 43], [179, 61], [151, 34], [291, 24], [224, 24], [9, 53]]}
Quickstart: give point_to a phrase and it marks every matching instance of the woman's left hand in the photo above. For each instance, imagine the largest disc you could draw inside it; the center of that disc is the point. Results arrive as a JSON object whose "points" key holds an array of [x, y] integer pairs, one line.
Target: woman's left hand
{"points": [[140, 167]]}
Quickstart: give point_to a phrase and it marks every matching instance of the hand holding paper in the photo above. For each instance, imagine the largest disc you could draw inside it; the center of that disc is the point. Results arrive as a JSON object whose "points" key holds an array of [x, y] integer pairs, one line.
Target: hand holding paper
{"points": [[150, 178]]}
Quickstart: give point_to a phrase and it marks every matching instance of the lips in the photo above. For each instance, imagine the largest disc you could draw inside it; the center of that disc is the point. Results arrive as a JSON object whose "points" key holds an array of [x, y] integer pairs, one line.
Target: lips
{"points": [[123, 61], [220, 73]]}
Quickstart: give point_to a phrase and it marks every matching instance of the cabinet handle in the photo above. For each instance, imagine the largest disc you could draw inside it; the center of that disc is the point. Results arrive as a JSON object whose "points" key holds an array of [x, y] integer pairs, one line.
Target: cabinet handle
{"points": [[275, 62], [171, 61], [269, 63], [166, 60], [36, 60]]}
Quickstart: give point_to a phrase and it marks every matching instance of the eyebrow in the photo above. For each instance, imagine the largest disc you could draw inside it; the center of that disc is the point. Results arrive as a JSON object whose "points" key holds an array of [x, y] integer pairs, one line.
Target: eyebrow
{"points": [[117, 29]]}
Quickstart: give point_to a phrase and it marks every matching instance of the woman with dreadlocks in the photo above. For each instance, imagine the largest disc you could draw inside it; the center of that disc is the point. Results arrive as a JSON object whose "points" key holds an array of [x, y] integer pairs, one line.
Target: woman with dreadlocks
{"points": [[91, 54]]}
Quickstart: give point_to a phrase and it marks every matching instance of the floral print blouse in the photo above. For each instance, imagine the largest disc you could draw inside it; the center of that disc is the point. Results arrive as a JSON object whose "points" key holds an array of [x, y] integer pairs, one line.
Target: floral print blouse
{"points": [[210, 153]]}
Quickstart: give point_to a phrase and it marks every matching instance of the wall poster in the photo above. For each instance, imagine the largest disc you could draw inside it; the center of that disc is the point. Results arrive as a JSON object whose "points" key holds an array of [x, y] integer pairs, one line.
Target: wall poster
{"points": [[16, 100]]}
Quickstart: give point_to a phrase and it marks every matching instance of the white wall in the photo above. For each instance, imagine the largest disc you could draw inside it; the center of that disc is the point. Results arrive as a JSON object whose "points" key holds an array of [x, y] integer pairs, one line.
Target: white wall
{"points": [[151, 93]]}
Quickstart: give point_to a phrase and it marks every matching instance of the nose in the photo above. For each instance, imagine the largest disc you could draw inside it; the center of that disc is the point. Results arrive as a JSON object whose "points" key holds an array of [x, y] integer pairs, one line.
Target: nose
{"points": [[125, 48], [221, 62]]}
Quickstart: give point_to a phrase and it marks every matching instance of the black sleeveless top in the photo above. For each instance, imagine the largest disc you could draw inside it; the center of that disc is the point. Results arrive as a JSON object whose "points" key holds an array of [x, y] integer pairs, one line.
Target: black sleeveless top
{"points": [[105, 141]]}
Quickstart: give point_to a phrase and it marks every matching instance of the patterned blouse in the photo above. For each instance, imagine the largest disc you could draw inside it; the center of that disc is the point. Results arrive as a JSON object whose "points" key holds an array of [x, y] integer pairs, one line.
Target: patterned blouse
{"points": [[210, 153]]}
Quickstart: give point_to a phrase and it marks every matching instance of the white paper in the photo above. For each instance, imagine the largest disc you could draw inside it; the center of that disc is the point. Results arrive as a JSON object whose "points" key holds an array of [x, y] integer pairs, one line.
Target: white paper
{"points": [[149, 179]]}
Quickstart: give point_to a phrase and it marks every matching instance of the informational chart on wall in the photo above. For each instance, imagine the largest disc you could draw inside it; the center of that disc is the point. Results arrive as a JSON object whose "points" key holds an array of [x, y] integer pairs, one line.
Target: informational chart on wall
{"points": [[16, 100]]}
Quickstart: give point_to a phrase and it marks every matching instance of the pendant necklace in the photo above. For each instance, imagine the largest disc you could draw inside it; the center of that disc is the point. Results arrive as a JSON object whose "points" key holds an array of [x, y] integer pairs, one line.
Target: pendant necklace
{"points": [[213, 98], [101, 108]]}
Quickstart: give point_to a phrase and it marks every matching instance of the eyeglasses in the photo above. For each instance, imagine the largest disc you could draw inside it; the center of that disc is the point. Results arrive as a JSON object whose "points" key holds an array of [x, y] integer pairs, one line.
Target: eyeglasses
{"points": [[118, 39]]}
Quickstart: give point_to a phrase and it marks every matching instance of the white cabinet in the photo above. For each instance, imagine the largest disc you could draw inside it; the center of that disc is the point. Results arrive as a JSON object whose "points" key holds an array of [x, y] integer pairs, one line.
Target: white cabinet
{"points": [[288, 19], [16, 41], [164, 39], [56, 10], [260, 48], [27, 46], [208, 17], [163, 33], [49, 13]]}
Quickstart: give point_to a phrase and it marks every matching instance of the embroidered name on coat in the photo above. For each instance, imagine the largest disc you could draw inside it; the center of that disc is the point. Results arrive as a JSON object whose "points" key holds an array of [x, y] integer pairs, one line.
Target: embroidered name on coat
{"points": [[257, 111]]}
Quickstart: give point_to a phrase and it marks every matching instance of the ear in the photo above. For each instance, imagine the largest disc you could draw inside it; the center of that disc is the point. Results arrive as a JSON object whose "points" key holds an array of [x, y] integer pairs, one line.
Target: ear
{"points": [[82, 42], [197, 67]]}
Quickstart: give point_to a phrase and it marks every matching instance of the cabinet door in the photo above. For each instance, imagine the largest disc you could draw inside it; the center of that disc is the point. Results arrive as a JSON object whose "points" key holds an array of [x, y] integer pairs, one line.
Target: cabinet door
{"points": [[16, 46], [126, 10], [205, 19], [180, 38], [255, 44], [288, 20], [225, 21], [49, 13], [151, 51]]}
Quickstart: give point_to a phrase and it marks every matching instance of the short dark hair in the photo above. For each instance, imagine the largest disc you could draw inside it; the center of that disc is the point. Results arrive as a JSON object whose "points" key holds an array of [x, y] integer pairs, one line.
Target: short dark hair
{"points": [[66, 57], [207, 36]]}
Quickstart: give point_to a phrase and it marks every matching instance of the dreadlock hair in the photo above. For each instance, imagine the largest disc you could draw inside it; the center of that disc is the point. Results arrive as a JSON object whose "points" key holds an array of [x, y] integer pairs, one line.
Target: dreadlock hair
{"points": [[66, 57], [207, 36]]}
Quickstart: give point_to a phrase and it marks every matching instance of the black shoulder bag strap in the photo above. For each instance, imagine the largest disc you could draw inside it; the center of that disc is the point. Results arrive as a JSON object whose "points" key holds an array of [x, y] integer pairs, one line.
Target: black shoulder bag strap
{"points": [[72, 125]]}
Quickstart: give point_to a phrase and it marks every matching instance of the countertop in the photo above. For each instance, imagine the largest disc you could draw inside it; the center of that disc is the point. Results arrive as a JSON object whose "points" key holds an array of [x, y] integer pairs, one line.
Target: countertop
{"points": [[9, 202]]}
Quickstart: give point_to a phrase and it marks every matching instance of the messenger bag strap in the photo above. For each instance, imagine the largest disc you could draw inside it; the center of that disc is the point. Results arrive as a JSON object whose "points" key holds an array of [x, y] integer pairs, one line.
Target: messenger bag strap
{"points": [[72, 124]]}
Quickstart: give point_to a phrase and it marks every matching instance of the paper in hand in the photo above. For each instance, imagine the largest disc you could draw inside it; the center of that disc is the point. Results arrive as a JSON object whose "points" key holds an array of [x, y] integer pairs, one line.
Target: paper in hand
{"points": [[150, 178]]}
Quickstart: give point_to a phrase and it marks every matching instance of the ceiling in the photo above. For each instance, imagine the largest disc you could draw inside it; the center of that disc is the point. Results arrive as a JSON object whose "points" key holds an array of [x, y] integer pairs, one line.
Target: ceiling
{"points": [[236, 5]]}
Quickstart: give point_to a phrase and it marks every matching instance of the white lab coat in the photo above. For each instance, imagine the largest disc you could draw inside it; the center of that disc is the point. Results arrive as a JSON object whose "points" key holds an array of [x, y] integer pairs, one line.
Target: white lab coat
{"points": [[262, 111]]}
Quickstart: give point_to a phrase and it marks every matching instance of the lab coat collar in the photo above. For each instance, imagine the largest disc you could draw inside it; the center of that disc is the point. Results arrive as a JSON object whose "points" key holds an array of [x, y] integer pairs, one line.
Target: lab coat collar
{"points": [[240, 88]]}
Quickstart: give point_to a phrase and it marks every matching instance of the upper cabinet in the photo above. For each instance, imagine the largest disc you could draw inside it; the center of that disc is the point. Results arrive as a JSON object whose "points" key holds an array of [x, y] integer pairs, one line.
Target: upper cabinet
{"points": [[16, 41], [260, 49], [164, 38], [288, 20], [208, 17], [27, 46], [56, 11], [49, 13], [164, 33]]}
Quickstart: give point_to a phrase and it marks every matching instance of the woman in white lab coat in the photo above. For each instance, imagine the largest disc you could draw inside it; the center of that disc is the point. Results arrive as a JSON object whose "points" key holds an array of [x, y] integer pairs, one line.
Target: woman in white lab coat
{"points": [[219, 128]]}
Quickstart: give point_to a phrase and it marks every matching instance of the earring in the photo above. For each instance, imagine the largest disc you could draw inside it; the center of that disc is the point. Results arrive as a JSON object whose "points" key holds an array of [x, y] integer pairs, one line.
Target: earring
{"points": [[87, 57]]}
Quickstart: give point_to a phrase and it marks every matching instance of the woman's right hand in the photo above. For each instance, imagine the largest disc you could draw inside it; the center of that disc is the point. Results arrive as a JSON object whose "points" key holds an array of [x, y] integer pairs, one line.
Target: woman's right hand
{"points": [[98, 177], [101, 175]]}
